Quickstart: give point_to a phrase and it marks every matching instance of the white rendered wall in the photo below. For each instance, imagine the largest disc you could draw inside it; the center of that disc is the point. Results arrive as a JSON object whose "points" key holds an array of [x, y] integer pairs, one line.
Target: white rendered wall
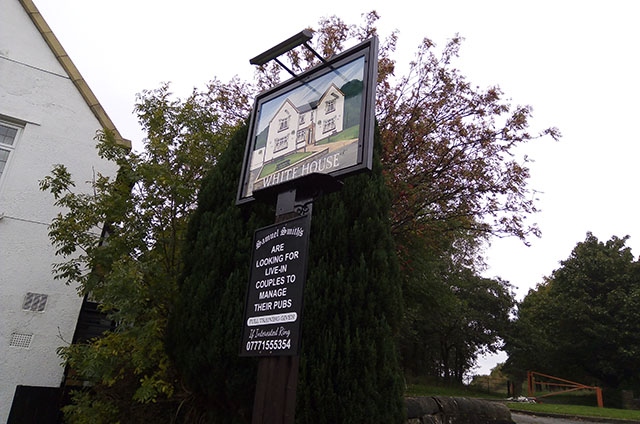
{"points": [[58, 127]]}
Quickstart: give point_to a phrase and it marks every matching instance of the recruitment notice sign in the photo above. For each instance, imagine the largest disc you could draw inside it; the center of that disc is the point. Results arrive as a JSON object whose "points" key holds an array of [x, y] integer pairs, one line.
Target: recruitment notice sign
{"points": [[273, 310]]}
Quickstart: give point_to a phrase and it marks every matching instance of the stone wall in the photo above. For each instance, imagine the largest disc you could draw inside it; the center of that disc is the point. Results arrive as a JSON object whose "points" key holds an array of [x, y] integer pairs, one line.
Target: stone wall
{"points": [[455, 410]]}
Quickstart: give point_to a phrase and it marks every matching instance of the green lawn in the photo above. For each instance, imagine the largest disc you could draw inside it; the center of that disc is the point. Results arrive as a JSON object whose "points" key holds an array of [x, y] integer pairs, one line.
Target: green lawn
{"points": [[431, 389], [576, 410], [346, 134]]}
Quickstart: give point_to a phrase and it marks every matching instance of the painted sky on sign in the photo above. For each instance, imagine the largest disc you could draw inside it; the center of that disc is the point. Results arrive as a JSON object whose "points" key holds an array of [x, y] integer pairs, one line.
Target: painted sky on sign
{"points": [[312, 90]]}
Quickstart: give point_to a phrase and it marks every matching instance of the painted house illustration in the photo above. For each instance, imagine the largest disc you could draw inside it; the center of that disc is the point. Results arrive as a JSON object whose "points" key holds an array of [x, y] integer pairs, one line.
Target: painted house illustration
{"points": [[296, 128]]}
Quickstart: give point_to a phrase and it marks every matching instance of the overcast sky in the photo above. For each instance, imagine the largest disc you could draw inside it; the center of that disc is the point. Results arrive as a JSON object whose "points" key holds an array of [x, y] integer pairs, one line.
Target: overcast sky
{"points": [[575, 63]]}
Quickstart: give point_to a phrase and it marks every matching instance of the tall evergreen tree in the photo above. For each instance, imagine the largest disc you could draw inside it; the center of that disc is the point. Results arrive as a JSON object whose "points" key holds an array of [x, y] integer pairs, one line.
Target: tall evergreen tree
{"points": [[205, 324], [349, 369]]}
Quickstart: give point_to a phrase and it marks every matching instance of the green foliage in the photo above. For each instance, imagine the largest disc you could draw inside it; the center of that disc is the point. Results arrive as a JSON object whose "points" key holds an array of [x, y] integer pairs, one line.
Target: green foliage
{"points": [[349, 369], [449, 157], [205, 325], [451, 179], [450, 152], [352, 305], [451, 316], [583, 322], [454, 390], [86, 409], [131, 268]]}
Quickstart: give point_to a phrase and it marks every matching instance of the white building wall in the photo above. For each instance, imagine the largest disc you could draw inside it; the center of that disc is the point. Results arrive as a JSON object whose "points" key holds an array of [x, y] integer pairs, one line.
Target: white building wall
{"points": [[57, 127]]}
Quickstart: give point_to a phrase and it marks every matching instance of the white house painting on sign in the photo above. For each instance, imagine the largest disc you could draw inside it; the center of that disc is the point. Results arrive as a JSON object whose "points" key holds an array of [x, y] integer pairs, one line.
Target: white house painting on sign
{"points": [[294, 130]]}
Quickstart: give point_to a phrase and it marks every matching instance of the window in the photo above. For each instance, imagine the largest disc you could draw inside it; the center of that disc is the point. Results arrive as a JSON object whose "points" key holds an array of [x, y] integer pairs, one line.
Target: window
{"points": [[330, 106], [280, 143], [21, 340], [329, 125], [283, 124], [8, 135], [302, 135], [34, 302]]}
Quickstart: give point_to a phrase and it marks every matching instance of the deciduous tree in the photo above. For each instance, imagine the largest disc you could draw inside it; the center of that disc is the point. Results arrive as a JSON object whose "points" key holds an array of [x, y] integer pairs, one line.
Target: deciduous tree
{"points": [[448, 155], [451, 158], [582, 323], [131, 268]]}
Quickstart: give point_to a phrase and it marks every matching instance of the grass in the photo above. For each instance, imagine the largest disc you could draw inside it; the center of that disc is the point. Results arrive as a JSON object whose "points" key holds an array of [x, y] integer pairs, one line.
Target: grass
{"points": [[576, 410], [431, 389], [346, 134]]}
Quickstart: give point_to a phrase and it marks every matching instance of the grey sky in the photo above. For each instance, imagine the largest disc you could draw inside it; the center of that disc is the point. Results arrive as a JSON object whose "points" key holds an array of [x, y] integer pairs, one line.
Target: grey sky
{"points": [[575, 63]]}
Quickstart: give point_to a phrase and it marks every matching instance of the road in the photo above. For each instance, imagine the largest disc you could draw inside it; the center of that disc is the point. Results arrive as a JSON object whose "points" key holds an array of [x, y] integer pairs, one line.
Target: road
{"points": [[533, 419]]}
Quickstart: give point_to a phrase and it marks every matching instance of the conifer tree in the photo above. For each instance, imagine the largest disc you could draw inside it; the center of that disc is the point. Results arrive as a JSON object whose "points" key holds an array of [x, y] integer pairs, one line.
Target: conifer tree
{"points": [[349, 369], [205, 325]]}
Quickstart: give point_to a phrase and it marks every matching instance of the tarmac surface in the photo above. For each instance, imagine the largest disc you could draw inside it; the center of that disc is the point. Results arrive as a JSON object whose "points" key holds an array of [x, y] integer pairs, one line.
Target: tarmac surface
{"points": [[536, 419], [519, 418]]}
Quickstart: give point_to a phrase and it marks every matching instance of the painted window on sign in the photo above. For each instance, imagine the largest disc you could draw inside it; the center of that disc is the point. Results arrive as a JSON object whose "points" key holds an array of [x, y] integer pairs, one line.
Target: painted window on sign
{"points": [[283, 124], [280, 144], [330, 106], [329, 125]]}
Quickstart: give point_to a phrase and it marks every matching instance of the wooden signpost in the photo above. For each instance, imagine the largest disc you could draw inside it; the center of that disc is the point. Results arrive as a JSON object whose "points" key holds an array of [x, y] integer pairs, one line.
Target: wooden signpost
{"points": [[304, 135], [272, 326]]}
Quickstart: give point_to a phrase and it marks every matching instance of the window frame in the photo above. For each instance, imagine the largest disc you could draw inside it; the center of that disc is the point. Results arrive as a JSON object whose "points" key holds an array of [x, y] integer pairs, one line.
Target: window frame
{"points": [[330, 106], [35, 302], [280, 143], [9, 148], [329, 125]]}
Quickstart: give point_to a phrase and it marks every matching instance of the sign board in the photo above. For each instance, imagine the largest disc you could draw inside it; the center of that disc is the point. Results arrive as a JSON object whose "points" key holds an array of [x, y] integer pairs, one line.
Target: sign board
{"points": [[319, 122], [273, 309]]}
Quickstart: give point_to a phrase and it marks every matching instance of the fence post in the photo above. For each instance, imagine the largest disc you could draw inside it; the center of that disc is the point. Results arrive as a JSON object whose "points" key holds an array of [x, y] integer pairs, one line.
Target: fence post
{"points": [[599, 397]]}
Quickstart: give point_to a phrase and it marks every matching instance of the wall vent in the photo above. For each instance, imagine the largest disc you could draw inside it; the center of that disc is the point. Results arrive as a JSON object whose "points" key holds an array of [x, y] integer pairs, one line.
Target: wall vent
{"points": [[21, 340]]}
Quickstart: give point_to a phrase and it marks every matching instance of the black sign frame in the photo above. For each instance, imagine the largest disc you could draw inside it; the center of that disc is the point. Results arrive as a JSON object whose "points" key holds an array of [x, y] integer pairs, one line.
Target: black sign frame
{"points": [[283, 158]]}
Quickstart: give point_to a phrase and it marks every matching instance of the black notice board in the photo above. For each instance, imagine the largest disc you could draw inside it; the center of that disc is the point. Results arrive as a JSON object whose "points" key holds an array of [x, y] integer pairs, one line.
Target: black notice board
{"points": [[273, 308]]}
